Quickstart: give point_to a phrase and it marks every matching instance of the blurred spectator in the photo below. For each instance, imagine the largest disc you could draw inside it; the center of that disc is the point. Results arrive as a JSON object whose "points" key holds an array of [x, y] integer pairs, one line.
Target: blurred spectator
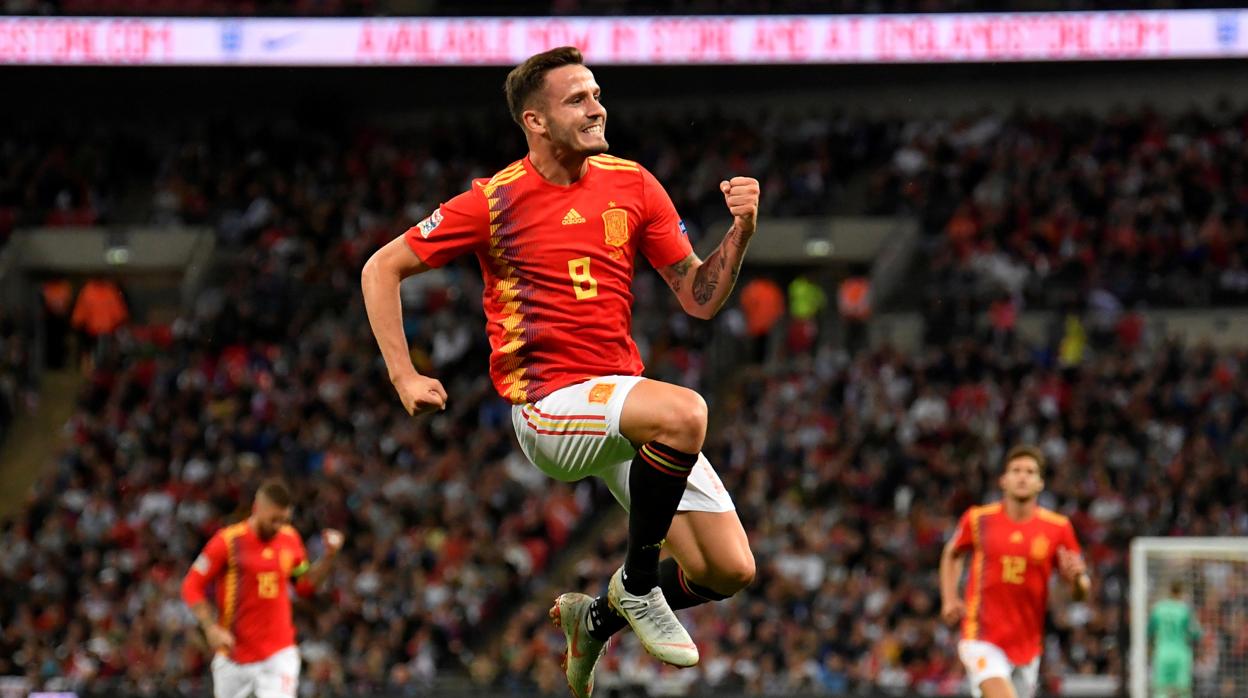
{"points": [[100, 308], [1074, 342], [58, 296], [853, 300], [762, 303], [17, 377], [98, 312], [1003, 321], [806, 301]]}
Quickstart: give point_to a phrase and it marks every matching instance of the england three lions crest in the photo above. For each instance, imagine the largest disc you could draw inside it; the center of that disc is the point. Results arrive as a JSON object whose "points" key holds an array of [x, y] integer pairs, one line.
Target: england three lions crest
{"points": [[615, 228]]}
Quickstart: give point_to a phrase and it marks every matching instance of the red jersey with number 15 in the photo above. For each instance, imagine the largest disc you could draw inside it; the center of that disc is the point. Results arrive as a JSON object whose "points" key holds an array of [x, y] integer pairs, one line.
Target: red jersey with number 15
{"points": [[1011, 562], [558, 266], [252, 577]]}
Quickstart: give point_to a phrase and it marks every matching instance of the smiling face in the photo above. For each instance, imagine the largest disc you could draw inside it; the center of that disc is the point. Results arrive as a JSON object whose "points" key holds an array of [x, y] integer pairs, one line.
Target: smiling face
{"points": [[568, 112]]}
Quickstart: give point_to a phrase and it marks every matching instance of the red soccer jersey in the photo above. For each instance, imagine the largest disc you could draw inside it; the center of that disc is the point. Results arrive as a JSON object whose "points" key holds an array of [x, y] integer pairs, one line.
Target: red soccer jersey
{"points": [[1011, 562], [558, 266], [252, 595]]}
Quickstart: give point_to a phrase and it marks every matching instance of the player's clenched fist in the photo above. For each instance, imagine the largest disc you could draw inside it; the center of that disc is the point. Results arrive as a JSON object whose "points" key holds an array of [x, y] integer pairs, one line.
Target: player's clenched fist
{"points": [[421, 394], [952, 611], [219, 639], [741, 196], [1073, 569], [1070, 564], [333, 540]]}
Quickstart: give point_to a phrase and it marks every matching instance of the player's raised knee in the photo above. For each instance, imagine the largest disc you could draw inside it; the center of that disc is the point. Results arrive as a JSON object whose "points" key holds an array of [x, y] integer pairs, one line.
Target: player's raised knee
{"points": [[672, 415], [684, 421], [740, 574], [729, 575]]}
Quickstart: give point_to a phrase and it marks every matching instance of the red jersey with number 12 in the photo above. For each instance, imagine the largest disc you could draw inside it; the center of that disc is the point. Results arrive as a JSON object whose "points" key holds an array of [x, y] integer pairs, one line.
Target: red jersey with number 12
{"points": [[1011, 562], [558, 267]]}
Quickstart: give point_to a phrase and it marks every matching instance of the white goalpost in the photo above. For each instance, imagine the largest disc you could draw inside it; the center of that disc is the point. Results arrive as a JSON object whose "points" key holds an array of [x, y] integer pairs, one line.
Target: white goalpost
{"points": [[1214, 572]]}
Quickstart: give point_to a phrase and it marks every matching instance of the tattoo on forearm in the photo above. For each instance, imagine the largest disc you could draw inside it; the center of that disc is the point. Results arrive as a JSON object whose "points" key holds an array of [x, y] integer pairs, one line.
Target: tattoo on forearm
{"points": [[711, 274], [674, 275], [707, 278]]}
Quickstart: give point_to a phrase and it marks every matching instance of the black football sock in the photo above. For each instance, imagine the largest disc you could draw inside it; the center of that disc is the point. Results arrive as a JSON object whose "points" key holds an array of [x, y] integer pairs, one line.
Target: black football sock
{"points": [[679, 591], [603, 621], [656, 482]]}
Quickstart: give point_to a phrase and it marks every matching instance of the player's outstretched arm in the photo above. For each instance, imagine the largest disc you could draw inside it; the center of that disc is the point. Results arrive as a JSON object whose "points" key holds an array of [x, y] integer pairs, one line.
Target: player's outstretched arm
{"points": [[952, 607], [704, 286], [332, 541], [380, 280]]}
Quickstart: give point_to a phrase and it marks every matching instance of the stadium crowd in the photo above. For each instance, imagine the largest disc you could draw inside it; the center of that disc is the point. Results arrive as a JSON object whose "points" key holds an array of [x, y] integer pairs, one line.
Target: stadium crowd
{"points": [[872, 455], [879, 454], [1134, 206], [232, 174], [17, 378], [849, 473], [274, 371], [267, 378], [1041, 209]]}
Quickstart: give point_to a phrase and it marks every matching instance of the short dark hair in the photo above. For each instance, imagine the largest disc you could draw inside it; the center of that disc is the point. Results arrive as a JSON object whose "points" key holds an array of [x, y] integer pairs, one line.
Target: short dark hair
{"points": [[276, 491], [530, 76], [1176, 587], [1025, 451]]}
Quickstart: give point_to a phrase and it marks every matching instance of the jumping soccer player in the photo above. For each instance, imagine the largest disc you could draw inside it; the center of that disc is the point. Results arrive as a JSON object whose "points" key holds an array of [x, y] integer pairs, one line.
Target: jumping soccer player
{"points": [[557, 235]]}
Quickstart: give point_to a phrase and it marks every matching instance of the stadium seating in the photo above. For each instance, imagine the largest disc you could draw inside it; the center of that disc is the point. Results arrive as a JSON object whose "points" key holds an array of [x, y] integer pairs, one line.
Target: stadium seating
{"points": [[848, 510], [17, 385], [872, 455], [1140, 208]]}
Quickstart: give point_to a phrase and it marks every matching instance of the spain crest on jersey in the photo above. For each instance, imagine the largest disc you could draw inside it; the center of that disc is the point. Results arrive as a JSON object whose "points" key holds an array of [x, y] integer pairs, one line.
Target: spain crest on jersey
{"points": [[1039, 548], [615, 229]]}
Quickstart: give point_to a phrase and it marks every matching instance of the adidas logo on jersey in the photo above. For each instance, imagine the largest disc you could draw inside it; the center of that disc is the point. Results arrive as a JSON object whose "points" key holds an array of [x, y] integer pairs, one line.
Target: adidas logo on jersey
{"points": [[572, 217]]}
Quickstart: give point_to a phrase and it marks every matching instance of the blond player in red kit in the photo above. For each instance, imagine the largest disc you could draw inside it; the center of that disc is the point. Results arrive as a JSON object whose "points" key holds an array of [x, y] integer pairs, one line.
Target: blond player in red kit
{"points": [[1014, 546], [557, 234], [253, 563]]}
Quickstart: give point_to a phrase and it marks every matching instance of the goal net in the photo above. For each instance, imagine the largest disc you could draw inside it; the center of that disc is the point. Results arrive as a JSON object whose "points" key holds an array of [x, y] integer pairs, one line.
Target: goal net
{"points": [[1214, 576]]}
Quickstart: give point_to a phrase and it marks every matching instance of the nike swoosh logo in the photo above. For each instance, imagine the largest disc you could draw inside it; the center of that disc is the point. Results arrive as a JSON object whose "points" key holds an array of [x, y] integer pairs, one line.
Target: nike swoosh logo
{"points": [[274, 43], [684, 645]]}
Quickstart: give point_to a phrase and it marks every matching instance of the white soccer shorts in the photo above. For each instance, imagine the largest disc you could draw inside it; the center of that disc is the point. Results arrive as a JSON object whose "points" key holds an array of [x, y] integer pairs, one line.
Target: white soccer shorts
{"points": [[575, 432], [984, 660], [274, 677]]}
